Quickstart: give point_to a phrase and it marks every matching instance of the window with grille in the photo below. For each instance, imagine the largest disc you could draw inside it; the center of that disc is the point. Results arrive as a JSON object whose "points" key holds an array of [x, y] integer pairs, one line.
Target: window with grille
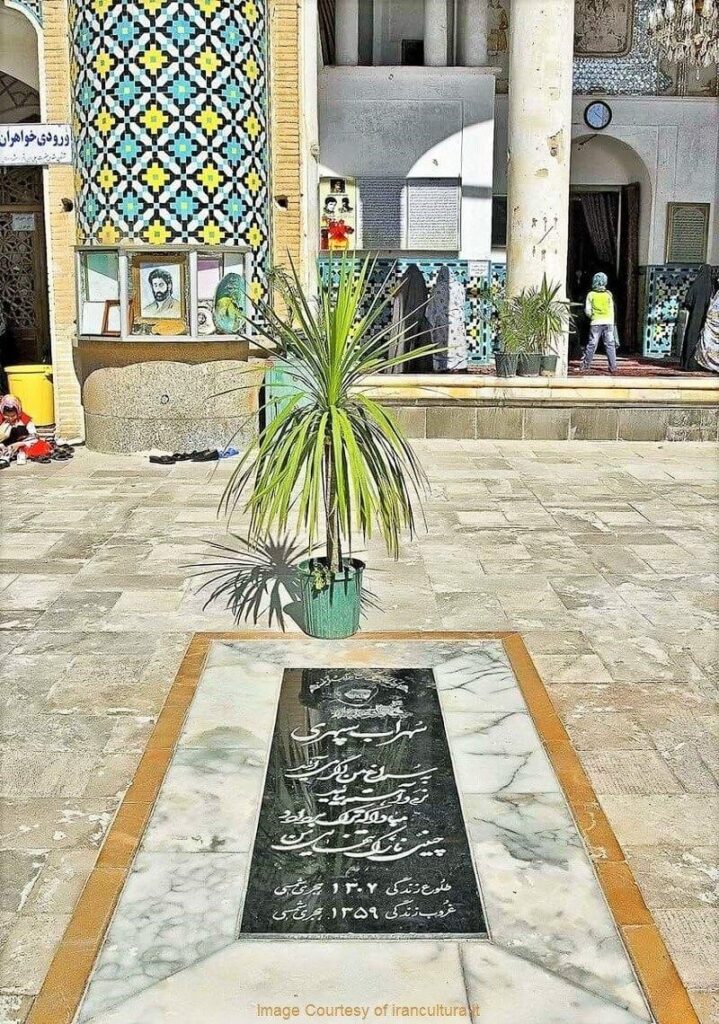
{"points": [[687, 232]]}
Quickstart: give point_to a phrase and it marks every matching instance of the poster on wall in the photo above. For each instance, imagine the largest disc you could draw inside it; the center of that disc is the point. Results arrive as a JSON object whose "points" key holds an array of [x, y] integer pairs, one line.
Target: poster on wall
{"points": [[338, 214]]}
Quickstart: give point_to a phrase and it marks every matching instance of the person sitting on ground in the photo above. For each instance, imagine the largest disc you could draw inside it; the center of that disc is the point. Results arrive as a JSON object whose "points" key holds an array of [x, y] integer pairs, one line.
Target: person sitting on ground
{"points": [[17, 430], [599, 307]]}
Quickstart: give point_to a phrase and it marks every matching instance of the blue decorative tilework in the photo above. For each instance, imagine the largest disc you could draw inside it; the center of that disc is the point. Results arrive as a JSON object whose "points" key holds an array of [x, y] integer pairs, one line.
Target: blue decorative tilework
{"points": [[33, 8], [665, 287], [474, 275], [170, 104], [497, 284], [636, 74]]}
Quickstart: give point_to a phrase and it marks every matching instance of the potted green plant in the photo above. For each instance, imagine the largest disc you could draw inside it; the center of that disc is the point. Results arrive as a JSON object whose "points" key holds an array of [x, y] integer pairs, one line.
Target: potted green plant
{"points": [[331, 459], [555, 319], [531, 324], [518, 326], [509, 344]]}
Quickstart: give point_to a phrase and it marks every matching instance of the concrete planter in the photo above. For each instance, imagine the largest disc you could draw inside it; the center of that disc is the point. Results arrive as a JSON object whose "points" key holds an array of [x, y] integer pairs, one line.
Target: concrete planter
{"points": [[173, 406]]}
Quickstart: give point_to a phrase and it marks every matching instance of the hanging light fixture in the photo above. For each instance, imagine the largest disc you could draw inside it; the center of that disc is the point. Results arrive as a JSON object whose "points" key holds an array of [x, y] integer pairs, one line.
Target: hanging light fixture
{"points": [[686, 30]]}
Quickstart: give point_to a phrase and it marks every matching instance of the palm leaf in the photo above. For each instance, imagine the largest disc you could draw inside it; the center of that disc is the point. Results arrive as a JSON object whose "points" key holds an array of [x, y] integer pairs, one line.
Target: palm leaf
{"points": [[331, 458]]}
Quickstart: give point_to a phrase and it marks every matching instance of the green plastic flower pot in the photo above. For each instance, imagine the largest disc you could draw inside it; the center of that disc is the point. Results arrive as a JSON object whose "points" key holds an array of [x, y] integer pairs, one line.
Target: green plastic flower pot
{"points": [[529, 364], [332, 612], [549, 366], [506, 364]]}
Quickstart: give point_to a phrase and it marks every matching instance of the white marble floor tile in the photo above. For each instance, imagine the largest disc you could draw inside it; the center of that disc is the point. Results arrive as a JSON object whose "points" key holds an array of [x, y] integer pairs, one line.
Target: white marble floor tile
{"points": [[510, 990], [176, 909], [556, 916], [234, 707], [478, 679], [491, 660], [208, 801], [228, 987], [498, 732], [481, 772], [527, 826]]}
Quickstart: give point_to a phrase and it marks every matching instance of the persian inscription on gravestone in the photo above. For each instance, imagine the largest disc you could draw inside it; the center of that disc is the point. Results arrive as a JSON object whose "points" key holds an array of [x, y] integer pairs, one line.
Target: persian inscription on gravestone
{"points": [[360, 828]]}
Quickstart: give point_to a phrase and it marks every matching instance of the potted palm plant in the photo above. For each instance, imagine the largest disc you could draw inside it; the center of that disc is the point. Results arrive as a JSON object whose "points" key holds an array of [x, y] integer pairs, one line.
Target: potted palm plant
{"points": [[331, 459], [531, 324], [518, 327], [509, 344], [555, 319]]}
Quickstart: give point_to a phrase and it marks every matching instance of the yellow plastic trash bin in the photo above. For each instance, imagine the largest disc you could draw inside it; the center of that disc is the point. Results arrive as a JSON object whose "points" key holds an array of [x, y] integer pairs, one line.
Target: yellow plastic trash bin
{"points": [[32, 384]]}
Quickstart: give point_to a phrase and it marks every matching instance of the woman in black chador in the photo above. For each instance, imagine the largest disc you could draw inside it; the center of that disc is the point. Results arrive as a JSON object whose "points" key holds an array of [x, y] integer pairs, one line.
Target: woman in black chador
{"points": [[412, 327], [697, 304]]}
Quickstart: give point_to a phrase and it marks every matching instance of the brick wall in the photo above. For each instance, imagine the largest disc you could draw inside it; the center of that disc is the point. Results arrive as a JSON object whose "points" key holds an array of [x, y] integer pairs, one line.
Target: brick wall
{"points": [[285, 131], [60, 226]]}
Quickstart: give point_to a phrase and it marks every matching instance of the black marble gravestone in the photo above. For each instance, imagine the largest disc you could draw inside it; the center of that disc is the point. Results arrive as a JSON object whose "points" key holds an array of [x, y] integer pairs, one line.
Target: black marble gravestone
{"points": [[360, 829]]}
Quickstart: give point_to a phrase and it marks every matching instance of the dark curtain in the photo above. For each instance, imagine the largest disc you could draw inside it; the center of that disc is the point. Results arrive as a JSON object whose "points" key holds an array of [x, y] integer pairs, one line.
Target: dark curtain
{"points": [[600, 213], [326, 11], [629, 266]]}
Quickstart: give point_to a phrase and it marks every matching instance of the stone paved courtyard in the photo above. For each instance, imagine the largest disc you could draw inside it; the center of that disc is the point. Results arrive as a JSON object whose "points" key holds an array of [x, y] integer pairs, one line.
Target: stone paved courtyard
{"points": [[604, 556]]}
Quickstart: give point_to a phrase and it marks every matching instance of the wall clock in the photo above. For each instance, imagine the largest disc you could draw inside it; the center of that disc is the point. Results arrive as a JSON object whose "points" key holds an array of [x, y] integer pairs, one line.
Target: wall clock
{"points": [[598, 115]]}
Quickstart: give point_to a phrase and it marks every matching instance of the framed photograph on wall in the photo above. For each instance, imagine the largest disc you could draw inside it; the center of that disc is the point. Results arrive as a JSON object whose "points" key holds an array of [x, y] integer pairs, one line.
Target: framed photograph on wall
{"points": [[159, 293], [111, 318]]}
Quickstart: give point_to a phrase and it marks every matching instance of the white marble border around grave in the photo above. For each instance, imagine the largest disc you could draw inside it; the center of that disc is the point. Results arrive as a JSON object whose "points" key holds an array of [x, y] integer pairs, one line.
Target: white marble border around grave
{"points": [[555, 954]]}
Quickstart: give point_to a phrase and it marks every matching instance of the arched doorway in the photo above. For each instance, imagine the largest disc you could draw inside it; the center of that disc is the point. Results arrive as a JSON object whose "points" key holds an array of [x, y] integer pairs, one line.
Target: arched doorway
{"points": [[609, 225], [23, 253]]}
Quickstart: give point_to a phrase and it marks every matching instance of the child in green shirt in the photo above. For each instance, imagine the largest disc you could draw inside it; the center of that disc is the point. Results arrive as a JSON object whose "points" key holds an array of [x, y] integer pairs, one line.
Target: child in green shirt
{"points": [[599, 307]]}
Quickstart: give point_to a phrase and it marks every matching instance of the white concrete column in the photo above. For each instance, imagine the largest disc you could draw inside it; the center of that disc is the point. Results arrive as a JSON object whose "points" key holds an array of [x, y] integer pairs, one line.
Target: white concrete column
{"points": [[541, 44], [347, 32], [472, 33], [436, 33]]}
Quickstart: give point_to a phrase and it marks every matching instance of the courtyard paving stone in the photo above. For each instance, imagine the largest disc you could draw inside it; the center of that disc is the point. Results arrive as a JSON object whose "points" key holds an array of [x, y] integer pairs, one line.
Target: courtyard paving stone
{"points": [[603, 555]]}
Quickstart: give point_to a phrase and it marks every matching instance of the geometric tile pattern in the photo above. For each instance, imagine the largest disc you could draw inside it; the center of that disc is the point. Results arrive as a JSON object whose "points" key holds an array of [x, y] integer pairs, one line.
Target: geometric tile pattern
{"points": [[665, 287], [473, 274], [636, 74], [497, 284], [33, 8], [170, 118]]}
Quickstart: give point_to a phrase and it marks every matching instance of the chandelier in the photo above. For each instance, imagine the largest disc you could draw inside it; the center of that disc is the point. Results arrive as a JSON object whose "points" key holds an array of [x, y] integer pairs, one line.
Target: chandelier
{"points": [[686, 30]]}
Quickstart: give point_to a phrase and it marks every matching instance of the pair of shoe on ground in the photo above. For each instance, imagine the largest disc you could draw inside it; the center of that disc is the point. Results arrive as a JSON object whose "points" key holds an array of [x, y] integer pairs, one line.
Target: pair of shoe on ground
{"points": [[207, 455]]}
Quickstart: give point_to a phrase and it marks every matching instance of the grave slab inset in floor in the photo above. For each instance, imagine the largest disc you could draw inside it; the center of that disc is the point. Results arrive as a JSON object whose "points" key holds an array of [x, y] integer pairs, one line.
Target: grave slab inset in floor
{"points": [[372, 828]]}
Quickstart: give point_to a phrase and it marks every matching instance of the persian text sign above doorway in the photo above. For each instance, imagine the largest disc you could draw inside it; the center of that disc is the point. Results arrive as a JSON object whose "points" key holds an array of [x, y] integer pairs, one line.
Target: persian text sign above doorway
{"points": [[35, 144]]}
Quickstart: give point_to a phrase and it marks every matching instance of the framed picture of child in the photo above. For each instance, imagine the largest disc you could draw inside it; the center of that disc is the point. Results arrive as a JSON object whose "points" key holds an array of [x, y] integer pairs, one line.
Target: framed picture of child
{"points": [[338, 214]]}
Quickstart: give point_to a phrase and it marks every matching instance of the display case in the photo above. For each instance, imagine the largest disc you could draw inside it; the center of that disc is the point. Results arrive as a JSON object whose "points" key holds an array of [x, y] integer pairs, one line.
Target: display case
{"points": [[173, 293]]}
